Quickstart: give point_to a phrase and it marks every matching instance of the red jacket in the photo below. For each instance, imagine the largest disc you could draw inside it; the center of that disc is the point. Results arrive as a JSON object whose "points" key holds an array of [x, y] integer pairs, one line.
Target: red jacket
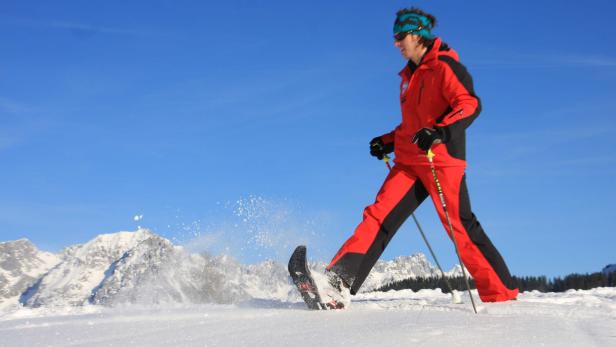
{"points": [[437, 93]]}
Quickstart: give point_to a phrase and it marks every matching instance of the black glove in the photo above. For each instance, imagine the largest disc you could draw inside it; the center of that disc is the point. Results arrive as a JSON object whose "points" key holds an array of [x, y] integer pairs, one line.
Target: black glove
{"points": [[379, 149], [425, 138]]}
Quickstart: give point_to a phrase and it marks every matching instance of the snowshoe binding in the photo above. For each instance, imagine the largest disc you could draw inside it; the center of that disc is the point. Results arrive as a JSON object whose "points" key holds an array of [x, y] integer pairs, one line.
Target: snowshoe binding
{"points": [[320, 292]]}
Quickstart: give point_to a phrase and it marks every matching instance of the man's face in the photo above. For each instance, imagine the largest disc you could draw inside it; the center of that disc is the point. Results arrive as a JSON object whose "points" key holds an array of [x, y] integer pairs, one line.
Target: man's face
{"points": [[409, 46]]}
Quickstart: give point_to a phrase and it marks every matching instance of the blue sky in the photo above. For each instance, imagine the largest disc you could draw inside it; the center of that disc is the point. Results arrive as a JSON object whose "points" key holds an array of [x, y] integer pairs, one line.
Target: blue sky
{"points": [[199, 114]]}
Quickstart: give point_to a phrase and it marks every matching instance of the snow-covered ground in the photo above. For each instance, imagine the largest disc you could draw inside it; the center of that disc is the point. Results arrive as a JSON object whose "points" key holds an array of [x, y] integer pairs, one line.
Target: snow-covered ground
{"points": [[402, 318], [137, 288]]}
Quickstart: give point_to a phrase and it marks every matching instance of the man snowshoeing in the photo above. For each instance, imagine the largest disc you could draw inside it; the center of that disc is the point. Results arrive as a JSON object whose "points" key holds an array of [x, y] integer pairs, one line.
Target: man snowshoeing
{"points": [[438, 103]]}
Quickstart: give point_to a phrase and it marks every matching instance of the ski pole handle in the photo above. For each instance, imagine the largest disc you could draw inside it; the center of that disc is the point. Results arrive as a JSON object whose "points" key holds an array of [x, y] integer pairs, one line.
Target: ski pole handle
{"points": [[386, 159], [430, 155]]}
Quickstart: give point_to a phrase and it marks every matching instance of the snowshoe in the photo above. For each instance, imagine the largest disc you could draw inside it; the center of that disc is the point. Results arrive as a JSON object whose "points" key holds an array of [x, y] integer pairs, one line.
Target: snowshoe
{"points": [[320, 292]]}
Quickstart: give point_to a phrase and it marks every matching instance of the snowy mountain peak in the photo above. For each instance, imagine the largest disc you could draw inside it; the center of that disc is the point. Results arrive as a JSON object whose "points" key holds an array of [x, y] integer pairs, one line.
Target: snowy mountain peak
{"points": [[142, 267], [12, 249], [122, 239], [22, 256], [400, 268], [21, 264], [419, 257], [18, 241], [83, 268]]}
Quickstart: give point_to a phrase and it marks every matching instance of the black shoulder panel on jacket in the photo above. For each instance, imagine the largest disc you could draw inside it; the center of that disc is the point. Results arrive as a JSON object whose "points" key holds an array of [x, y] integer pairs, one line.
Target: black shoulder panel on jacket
{"points": [[461, 73], [455, 135]]}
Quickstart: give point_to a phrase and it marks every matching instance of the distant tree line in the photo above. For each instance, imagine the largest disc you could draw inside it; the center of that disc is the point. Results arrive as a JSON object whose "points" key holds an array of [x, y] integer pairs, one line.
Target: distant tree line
{"points": [[562, 284], [527, 283]]}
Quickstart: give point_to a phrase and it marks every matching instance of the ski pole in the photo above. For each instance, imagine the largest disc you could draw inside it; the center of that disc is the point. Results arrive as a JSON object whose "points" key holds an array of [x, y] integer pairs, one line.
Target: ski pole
{"points": [[430, 156], [386, 159], [455, 299]]}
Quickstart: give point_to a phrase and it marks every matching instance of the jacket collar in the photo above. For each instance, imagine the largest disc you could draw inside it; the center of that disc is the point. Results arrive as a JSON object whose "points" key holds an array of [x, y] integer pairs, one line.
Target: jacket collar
{"points": [[430, 56]]}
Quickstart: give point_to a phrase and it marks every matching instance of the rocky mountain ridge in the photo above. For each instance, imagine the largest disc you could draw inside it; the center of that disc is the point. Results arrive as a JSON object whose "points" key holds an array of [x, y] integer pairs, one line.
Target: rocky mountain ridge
{"points": [[141, 267]]}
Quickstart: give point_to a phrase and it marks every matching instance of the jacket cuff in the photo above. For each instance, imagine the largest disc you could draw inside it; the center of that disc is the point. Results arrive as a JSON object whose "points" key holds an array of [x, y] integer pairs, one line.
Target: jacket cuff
{"points": [[388, 138], [444, 133]]}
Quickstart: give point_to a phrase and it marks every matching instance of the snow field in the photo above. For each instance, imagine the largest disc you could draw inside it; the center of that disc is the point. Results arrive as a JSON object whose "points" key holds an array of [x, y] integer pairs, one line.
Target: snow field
{"points": [[395, 318]]}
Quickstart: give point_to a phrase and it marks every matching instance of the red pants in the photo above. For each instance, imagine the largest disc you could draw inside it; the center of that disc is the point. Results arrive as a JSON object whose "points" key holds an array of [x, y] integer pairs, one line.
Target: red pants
{"points": [[404, 189]]}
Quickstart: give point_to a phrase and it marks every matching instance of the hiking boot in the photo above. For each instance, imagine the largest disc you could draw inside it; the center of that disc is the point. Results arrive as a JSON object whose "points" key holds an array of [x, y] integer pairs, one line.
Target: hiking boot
{"points": [[335, 293]]}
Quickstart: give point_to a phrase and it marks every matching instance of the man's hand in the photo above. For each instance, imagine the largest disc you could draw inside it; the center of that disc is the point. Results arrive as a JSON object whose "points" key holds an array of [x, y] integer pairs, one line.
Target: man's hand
{"points": [[426, 137], [379, 149]]}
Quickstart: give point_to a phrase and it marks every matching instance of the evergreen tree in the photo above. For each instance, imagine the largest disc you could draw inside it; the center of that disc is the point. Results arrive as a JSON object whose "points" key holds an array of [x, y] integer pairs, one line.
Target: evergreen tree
{"points": [[527, 283]]}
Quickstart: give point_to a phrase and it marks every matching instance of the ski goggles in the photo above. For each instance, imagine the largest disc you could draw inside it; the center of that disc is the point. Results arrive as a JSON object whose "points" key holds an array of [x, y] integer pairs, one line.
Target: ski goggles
{"points": [[400, 36]]}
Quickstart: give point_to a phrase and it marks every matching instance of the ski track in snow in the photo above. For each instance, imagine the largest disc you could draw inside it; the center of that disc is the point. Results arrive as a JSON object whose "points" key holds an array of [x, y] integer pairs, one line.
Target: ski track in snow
{"points": [[395, 318]]}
